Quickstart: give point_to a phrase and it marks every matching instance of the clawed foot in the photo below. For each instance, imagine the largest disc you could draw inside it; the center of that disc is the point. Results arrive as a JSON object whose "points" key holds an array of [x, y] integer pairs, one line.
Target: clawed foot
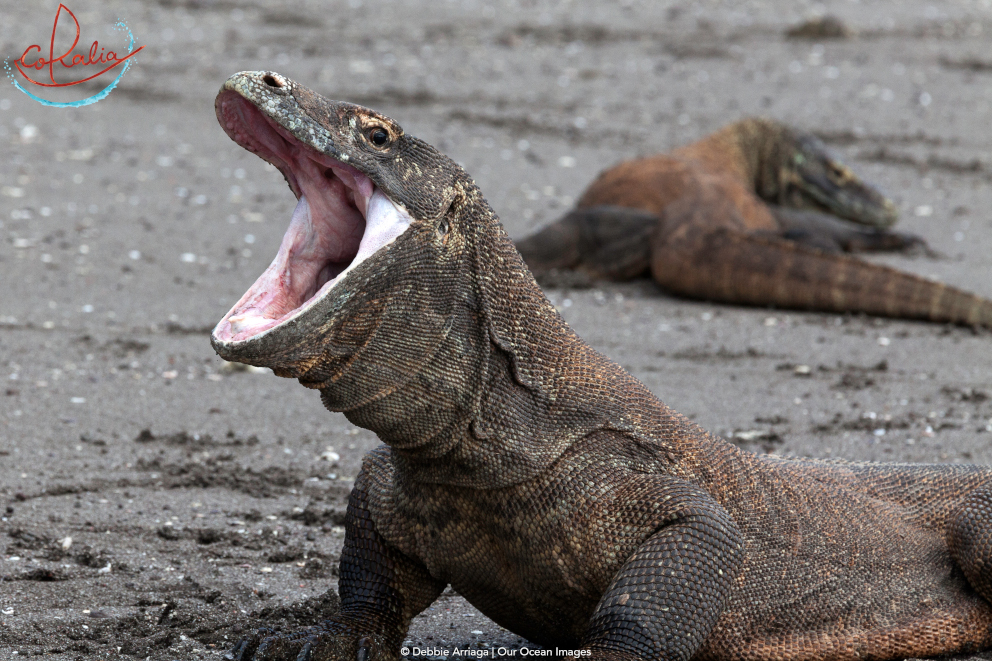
{"points": [[908, 244], [316, 644]]}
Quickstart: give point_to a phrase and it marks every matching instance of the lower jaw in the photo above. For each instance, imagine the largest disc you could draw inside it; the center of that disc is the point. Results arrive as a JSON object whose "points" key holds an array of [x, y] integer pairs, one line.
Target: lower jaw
{"points": [[275, 298]]}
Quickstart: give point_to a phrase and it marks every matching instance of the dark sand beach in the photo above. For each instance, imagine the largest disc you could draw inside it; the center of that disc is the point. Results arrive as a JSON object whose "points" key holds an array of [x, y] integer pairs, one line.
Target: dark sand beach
{"points": [[157, 502]]}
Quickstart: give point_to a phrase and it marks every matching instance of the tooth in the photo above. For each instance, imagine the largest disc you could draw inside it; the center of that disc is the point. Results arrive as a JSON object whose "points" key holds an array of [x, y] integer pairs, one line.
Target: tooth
{"points": [[239, 323]]}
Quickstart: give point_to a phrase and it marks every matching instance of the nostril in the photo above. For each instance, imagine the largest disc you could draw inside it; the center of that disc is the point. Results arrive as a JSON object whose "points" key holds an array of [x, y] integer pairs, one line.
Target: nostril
{"points": [[271, 80]]}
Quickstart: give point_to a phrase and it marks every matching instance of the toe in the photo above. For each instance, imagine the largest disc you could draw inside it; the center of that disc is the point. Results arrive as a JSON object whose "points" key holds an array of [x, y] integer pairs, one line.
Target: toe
{"points": [[238, 653]]}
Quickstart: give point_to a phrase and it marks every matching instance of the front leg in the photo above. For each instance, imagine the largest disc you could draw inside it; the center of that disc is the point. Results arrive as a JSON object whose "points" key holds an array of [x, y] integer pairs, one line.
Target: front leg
{"points": [[669, 594], [831, 234], [381, 591]]}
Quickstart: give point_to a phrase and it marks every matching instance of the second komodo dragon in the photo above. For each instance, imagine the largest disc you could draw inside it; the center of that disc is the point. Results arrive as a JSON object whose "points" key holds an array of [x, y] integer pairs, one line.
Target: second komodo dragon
{"points": [[534, 475], [757, 214]]}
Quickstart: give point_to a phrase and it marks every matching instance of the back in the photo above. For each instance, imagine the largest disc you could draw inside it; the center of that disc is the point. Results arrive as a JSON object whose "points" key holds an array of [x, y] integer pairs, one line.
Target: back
{"points": [[844, 559]]}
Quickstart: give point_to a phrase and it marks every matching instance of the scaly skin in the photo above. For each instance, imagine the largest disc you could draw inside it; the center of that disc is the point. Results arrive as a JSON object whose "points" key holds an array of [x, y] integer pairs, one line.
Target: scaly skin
{"points": [[747, 215], [555, 492]]}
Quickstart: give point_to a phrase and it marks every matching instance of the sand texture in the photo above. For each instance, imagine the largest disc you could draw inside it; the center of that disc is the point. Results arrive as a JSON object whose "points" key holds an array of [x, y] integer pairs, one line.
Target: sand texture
{"points": [[156, 502]]}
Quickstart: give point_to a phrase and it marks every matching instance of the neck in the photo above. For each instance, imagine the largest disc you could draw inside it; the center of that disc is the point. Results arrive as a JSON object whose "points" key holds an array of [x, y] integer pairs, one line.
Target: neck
{"points": [[509, 388], [749, 149]]}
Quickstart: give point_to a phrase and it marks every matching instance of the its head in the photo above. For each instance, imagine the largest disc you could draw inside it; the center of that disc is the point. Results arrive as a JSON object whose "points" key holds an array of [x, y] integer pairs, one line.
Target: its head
{"points": [[377, 221], [805, 175]]}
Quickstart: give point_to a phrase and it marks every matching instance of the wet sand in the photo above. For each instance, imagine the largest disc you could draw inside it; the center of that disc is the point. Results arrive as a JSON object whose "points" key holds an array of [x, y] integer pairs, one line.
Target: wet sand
{"points": [[157, 502]]}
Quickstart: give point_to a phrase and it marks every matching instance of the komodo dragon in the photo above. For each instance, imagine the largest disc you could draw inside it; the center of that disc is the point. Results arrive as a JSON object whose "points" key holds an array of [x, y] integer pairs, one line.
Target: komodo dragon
{"points": [[746, 215], [534, 475]]}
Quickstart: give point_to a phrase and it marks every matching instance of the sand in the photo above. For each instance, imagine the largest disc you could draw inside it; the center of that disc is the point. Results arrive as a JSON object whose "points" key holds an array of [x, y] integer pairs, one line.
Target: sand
{"points": [[157, 502]]}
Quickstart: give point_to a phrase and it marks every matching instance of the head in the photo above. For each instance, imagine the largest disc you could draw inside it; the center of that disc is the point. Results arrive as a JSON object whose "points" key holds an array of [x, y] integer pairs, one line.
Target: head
{"points": [[807, 176], [363, 235]]}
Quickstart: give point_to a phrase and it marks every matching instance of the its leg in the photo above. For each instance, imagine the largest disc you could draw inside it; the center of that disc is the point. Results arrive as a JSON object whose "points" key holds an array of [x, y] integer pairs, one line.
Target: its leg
{"points": [[381, 591], [667, 598], [605, 242], [969, 538], [825, 232]]}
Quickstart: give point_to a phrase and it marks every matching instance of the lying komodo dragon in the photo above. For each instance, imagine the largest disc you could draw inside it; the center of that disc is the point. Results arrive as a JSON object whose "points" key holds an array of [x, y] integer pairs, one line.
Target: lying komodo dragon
{"points": [[738, 217], [534, 475]]}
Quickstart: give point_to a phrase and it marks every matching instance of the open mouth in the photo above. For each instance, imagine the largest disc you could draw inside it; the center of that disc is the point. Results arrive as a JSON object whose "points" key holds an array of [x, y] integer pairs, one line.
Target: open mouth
{"points": [[341, 219]]}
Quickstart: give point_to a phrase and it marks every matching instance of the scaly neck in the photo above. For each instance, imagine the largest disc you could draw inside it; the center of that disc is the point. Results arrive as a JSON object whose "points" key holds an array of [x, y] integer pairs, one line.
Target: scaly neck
{"points": [[750, 150], [509, 388]]}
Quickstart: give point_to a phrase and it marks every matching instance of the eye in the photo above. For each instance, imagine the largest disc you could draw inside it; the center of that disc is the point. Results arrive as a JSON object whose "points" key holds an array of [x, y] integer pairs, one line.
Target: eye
{"points": [[839, 174], [378, 136], [442, 228]]}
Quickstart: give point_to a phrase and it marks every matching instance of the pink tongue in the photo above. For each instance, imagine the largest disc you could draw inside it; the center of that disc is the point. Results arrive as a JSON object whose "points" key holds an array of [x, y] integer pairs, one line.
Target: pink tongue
{"points": [[300, 236], [357, 182], [299, 261]]}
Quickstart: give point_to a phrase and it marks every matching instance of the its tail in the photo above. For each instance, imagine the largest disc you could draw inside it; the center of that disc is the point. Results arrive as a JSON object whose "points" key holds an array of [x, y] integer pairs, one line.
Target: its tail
{"points": [[734, 267]]}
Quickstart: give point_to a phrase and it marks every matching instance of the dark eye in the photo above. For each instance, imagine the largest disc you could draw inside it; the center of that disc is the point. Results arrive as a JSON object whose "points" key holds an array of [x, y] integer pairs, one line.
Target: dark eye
{"points": [[379, 137], [840, 174], [442, 228]]}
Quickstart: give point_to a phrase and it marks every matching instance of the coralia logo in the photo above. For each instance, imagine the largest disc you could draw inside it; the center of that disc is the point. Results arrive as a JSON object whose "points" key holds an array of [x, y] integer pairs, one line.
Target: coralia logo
{"points": [[33, 60]]}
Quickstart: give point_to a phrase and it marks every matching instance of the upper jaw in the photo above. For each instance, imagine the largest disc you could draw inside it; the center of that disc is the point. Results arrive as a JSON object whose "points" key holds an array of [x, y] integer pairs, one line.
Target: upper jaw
{"points": [[341, 218], [862, 205], [275, 98]]}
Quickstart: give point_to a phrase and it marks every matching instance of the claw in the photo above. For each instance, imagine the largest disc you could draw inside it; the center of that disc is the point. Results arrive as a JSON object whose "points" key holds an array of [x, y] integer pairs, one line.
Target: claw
{"points": [[304, 654], [363, 649], [237, 652]]}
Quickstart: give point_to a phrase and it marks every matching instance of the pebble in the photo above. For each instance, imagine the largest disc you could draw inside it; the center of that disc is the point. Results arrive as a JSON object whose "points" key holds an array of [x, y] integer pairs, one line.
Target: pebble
{"points": [[751, 434]]}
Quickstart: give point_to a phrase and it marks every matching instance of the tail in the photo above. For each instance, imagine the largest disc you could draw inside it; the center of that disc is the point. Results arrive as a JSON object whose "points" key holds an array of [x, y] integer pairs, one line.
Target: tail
{"points": [[734, 267]]}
